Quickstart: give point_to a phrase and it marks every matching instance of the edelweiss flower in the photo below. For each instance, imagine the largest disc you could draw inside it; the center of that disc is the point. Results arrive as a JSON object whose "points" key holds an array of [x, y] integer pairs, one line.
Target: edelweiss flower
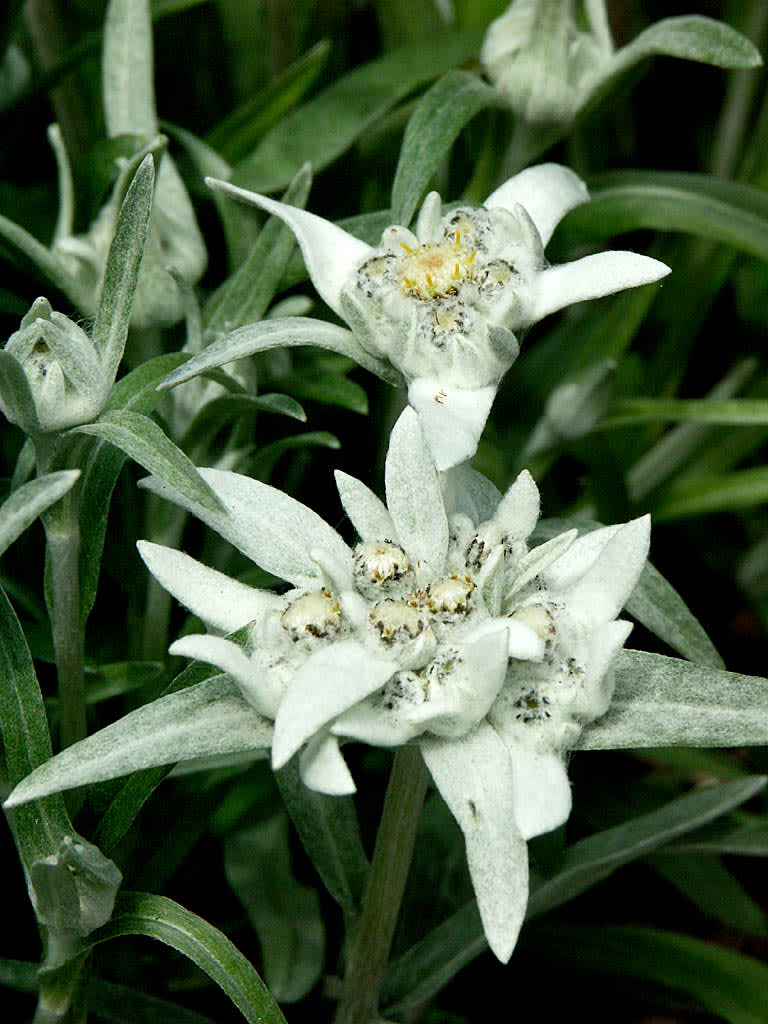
{"points": [[439, 627], [443, 305]]}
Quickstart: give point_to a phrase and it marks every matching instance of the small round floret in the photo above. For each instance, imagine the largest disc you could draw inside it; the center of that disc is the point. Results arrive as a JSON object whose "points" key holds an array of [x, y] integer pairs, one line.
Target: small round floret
{"points": [[315, 614]]}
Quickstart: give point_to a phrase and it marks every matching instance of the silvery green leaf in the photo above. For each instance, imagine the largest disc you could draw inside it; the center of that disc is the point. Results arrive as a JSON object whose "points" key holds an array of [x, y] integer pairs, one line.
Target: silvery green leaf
{"points": [[205, 720], [693, 38], [367, 513], [121, 274], [245, 295], [332, 679], [538, 558], [286, 332], [143, 440], [474, 777], [518, 510], [25, 504], [662, 701], [128, 69], [16, 399], [74, 888], [272, 529], [221, 602], [257, 862], [75, 353], [51, 266], [414, 497]]}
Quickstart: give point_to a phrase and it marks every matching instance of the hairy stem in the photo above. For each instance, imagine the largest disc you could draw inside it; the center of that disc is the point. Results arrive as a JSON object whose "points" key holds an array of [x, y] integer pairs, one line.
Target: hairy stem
{"points": [[384, 890], [63, 536]]}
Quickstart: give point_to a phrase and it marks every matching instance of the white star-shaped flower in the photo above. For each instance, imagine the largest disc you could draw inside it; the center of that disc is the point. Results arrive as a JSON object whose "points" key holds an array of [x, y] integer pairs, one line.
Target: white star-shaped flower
{"points": [[440, 627], [444, 305]]}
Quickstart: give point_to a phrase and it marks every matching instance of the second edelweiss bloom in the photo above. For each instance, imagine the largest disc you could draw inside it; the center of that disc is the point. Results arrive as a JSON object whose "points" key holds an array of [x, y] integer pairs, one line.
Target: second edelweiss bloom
{"points": [[444, 305], [440, 627]]}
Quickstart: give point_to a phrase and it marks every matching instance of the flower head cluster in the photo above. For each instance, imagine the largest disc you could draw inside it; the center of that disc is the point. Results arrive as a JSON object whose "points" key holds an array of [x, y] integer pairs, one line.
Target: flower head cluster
{"points": [[441, 626], [444, 305], [67, 377]]}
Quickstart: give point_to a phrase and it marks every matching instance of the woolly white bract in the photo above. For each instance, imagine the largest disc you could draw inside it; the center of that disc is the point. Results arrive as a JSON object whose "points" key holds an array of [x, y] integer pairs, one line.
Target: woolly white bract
{"points": [[440, 627], [444, 306]]}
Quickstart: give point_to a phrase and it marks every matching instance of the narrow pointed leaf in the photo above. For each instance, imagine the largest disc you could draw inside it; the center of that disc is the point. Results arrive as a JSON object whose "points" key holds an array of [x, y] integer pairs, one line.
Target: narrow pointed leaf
{"points": [[274, 530], [15, 394], [121, 274], [141, 438], [743, 488], [728, 984], [285, 332], [691, 37], [52, 268], [160, 918], [434, 126], [205, 720], [662, 701], [26, 503], [324, 128], [128, 69]]}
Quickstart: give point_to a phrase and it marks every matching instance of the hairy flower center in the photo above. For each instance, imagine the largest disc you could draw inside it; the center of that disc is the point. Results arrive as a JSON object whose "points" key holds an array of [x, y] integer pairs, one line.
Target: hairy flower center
{"points": [[449, 595], [316, 614], [397, 620], [381, 561], [437, 269]]}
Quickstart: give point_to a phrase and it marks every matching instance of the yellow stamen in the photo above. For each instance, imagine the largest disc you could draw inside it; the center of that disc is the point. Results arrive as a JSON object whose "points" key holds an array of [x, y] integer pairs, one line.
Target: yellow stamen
{"points": [[457, 236], [430, 282], [471, 258], [407, 248], [408, 282], [456, 271]]}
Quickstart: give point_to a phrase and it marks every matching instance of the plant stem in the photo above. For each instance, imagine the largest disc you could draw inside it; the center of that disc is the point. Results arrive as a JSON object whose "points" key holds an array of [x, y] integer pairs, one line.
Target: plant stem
{"points": [[63, 536], [384, 890]]}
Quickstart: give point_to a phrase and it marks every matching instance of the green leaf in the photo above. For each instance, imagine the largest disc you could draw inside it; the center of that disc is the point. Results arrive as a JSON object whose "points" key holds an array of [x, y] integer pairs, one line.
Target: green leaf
{"points": [[238, 134], [262, 463], [745, 838], [128, 69], [590, 860], [15, 394], [429, 965], [329, 832], [245, 296], [284, 914], [725, 982], [141, 438], [39, 829], [667, 702], [692, 37], [731, 412], [742, 488], [160, 918], [119, 1003], [696, 204], [26, 249], [713, 890], [285, 332], [121, 273], [26, 503], [113, 680], [323, 129], [328, 388], [204, 720], [435, 124]]}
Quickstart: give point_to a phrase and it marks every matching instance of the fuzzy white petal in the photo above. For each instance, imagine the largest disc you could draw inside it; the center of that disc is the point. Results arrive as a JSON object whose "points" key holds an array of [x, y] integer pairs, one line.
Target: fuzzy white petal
{"points": [[598, 683], [323, 768], [518, 510], [591, 277], [332, 679], [256, 686], [547, 191], [367, 513], [452, 418], [331, 255], [414, 498], [523, 642], [272, 529], [370, 722], [467, 491], [222, 603], [475, 778], [599, 595], [541, 791]]}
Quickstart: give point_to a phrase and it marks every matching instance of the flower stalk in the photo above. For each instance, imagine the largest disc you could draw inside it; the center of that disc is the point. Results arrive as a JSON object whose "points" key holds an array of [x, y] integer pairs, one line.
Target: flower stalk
{"points": [[384, 890]]}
